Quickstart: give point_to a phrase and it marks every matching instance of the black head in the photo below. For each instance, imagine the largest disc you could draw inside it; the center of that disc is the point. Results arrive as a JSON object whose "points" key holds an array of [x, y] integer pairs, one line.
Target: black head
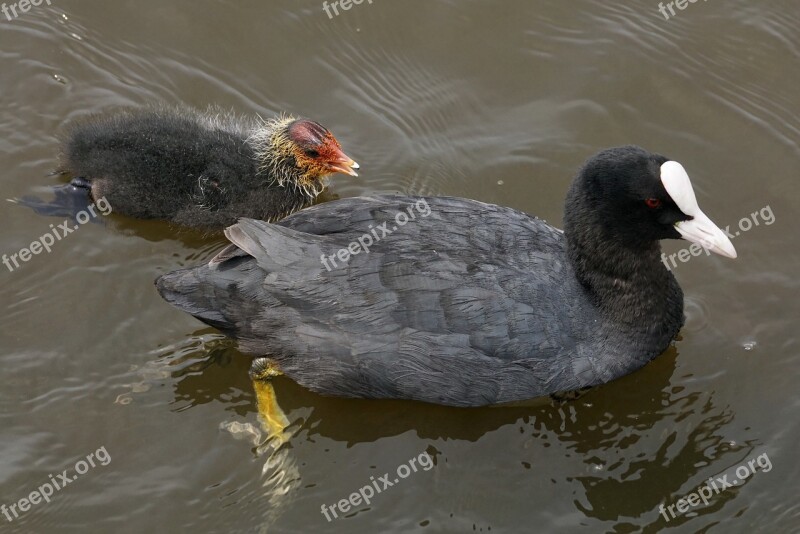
{"points": [[621, 194], [621, 190]]}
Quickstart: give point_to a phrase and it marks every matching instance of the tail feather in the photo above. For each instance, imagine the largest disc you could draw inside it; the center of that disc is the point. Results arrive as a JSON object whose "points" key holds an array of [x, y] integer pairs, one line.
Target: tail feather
{"points": [[179, 289], [229, 292], [278, 248], [207, 294]]}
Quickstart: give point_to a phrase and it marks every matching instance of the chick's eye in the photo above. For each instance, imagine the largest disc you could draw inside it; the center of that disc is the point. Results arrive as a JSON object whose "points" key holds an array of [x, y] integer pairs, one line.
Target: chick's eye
{"points": [[653, 203], [310, 152]]}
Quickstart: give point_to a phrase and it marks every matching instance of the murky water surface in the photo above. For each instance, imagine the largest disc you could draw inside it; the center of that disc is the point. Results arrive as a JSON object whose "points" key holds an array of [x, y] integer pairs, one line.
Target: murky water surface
{"points": [[499, 102]]}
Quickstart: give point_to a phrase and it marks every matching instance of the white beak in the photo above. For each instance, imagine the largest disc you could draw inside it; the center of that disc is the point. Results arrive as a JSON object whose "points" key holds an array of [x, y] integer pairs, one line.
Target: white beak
{"points": [[700, 229]]}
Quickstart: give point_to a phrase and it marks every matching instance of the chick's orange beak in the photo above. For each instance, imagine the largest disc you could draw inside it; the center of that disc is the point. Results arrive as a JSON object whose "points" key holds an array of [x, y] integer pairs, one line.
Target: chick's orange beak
{"points": [[341, 162]]}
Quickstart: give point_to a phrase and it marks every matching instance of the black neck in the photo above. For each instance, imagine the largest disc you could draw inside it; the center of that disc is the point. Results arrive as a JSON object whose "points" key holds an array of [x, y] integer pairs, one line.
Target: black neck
{"points": [[624, 277]]}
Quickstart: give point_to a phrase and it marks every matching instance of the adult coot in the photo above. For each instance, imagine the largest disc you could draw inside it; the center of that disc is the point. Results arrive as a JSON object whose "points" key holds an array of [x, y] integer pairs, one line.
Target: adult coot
{"points": [[466, 303], [200, 169]]}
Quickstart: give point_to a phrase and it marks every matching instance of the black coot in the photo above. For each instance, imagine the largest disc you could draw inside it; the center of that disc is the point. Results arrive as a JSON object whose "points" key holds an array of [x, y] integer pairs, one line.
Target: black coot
{"points": [[466, 303]]}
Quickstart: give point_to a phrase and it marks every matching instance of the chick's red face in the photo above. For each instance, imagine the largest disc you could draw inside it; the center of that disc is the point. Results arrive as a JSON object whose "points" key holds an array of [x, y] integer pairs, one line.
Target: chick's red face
{"points": [[317, 151]]}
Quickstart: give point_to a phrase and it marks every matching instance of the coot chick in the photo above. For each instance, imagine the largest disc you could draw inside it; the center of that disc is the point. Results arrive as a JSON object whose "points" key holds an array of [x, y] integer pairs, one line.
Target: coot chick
{"points": [[474, 304], [201, 169]]}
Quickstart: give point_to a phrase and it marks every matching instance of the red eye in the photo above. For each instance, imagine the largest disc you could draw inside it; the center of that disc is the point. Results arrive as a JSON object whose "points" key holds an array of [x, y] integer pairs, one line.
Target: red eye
{"points": [[653, 203]]}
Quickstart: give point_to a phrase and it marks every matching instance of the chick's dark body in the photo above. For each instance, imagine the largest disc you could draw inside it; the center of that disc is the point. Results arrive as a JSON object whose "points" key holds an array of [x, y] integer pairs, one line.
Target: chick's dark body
{"points": [[175, 164]]}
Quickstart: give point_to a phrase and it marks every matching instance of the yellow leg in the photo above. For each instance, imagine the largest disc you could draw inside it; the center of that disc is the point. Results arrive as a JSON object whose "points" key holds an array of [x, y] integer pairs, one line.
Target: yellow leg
{"points": [[273, 420]]}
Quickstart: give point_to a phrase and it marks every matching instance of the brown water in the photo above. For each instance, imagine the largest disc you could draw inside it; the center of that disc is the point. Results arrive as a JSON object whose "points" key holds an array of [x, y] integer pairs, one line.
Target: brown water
{"points": [[499, 102]]}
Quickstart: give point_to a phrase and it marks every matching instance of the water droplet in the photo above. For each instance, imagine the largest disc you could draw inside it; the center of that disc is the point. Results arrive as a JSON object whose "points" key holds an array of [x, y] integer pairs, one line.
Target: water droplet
{"points": [[500, 182]]}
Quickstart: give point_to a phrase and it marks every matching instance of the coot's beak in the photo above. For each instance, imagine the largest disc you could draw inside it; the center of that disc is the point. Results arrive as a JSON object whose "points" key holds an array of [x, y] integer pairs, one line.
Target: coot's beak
{"points": [[341, 162], [705, 233], [699, 229]]}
